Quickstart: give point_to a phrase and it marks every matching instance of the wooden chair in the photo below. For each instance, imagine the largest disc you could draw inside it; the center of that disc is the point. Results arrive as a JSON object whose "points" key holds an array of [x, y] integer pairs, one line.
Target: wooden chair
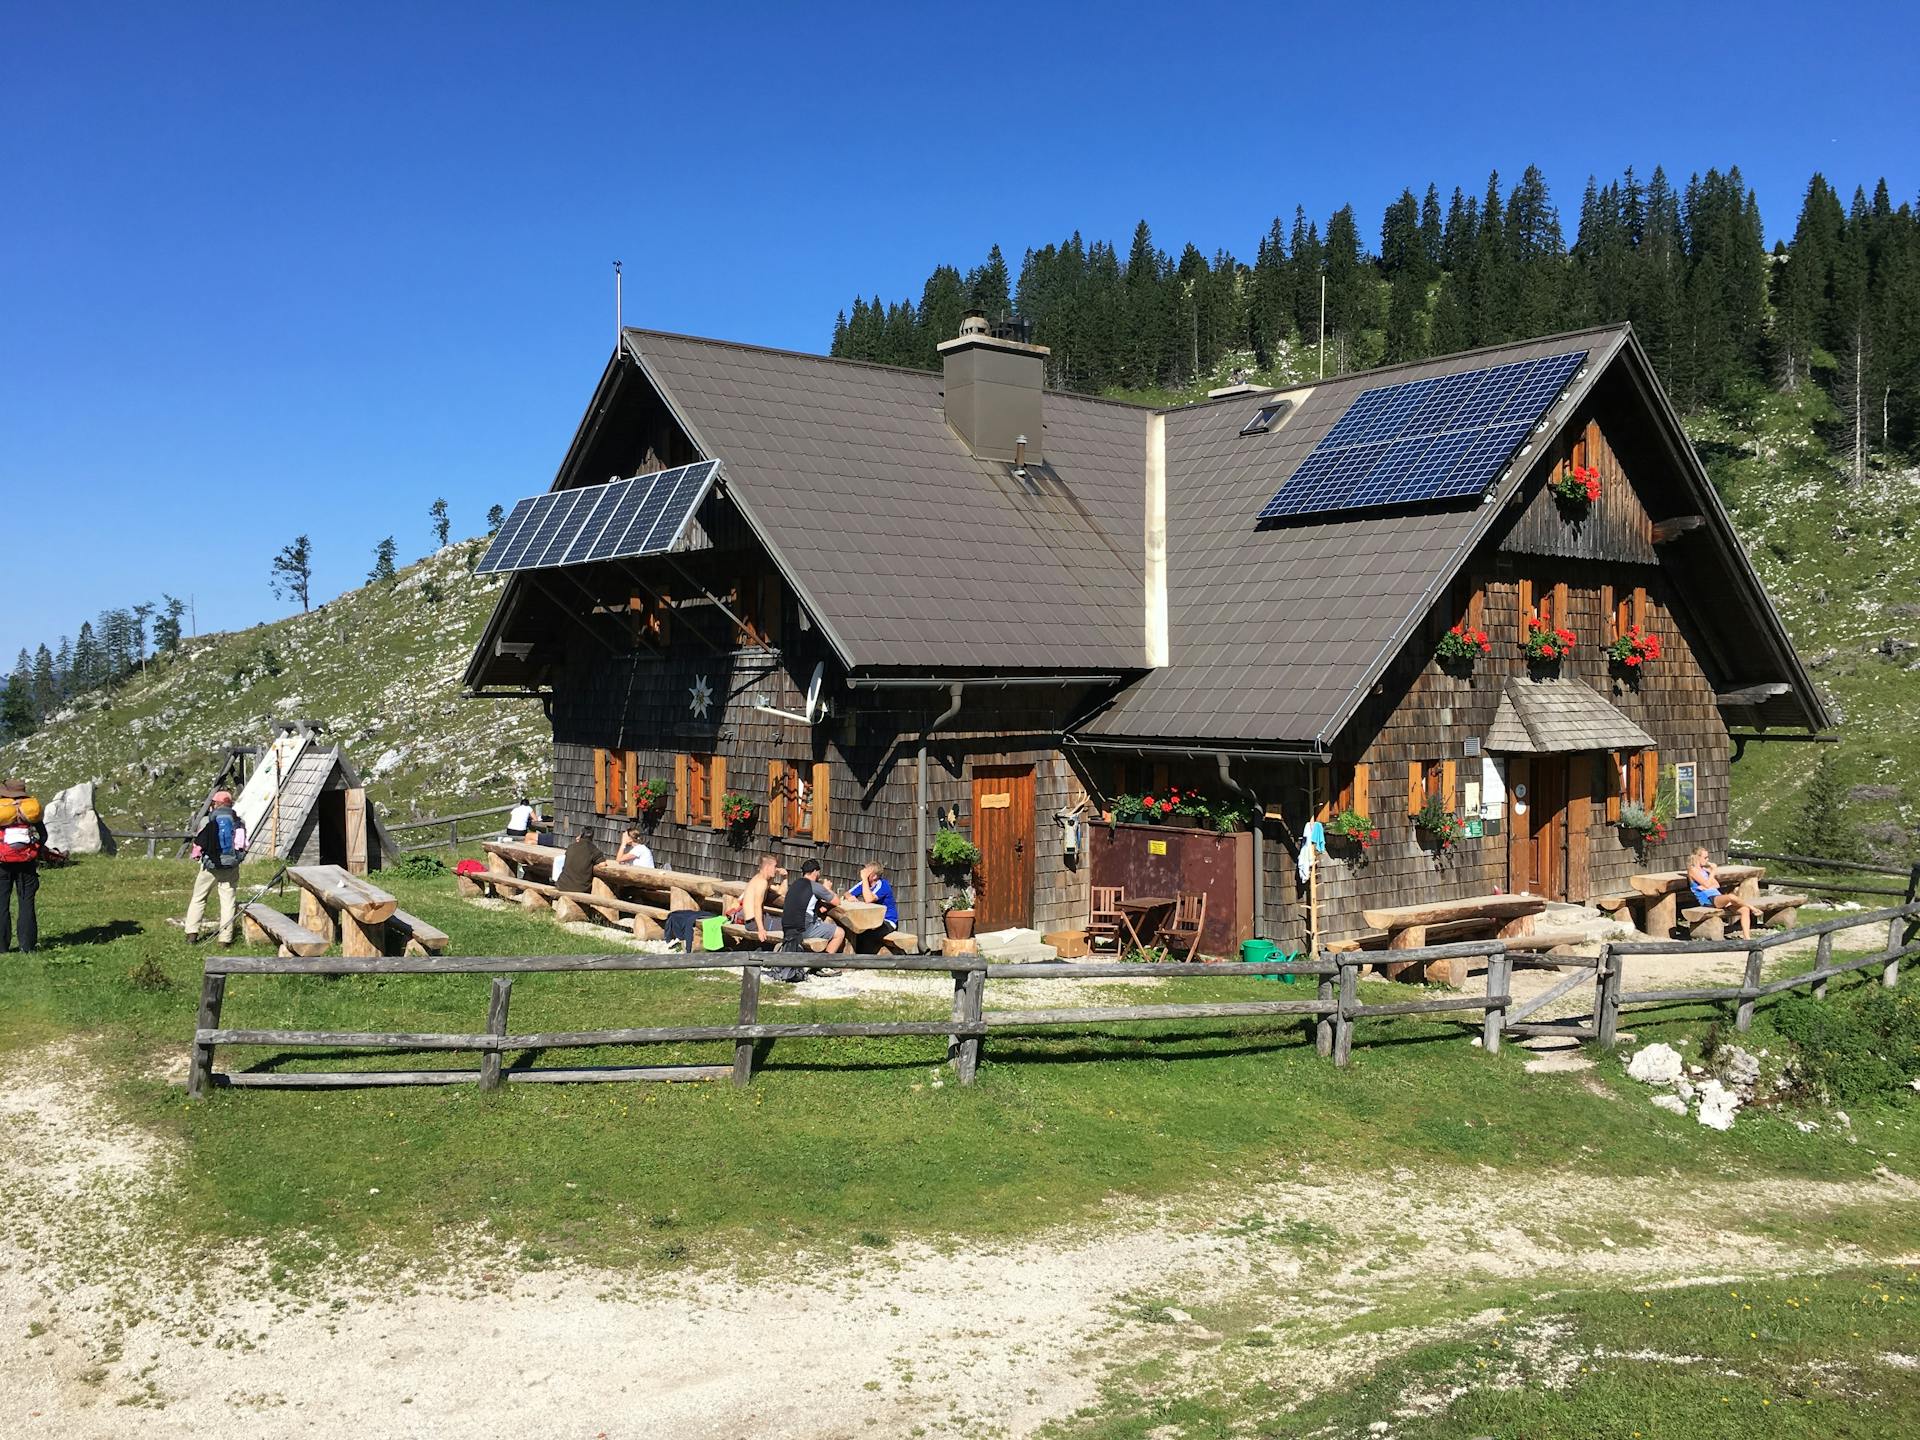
{"points": [[1181, 932], [1103, 928]]}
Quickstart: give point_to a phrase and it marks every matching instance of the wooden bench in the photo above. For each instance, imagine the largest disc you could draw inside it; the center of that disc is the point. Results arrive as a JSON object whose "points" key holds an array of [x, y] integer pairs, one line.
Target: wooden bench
{"points": [[413, 936], [1781, 910], [349, 907], [1473, 917], [264, 925], [1704, 922]]}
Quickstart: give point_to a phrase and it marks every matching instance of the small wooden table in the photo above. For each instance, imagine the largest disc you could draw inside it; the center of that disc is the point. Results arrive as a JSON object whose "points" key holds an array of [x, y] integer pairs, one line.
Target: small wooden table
{"points": [[1502, 916], [1150, 908]]}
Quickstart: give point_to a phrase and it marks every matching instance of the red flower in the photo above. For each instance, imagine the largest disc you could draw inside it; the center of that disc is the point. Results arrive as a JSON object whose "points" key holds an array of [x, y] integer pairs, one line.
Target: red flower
{"points": [[1633, 660], [1486, 646], [1547, 652]]}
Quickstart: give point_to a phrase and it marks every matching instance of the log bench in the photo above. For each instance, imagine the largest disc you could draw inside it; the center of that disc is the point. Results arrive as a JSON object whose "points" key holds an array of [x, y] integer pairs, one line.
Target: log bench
{"points": [[1704, 922], [1473, 917], [1781, 910], [264, 925], [413, 936], [350, 908]]}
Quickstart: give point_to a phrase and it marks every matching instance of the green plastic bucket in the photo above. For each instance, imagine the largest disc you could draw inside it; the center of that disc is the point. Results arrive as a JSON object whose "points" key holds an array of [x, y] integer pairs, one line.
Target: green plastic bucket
{"points": [[711, 937], [1259, 952]]}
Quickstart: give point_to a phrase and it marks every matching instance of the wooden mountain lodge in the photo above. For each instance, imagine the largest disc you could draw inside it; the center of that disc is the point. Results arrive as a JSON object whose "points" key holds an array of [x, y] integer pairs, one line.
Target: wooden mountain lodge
{"points": [[836, 607]]}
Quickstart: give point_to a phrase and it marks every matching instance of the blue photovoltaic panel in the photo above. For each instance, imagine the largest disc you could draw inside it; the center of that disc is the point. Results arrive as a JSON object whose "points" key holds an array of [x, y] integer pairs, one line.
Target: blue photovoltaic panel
{"points": [[1435, 439], [641, 516], [503, 538]]}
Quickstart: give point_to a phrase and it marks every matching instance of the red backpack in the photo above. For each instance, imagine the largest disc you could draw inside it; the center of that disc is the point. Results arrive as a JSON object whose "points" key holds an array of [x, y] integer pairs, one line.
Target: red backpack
{"points": [[19, 831]]}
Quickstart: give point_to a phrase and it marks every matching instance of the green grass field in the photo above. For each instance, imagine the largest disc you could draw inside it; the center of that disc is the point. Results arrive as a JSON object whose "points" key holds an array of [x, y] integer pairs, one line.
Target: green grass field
{"points": [[835, 1140]]}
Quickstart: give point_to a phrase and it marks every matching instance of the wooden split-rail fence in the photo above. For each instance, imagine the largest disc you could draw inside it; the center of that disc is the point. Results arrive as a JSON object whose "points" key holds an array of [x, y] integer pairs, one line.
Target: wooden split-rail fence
{"points": [[1331, 1012]]}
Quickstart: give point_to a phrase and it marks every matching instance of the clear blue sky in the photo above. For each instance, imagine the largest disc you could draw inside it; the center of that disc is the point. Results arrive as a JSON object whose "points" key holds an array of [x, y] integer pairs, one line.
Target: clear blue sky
{"points": [[271, 269]]}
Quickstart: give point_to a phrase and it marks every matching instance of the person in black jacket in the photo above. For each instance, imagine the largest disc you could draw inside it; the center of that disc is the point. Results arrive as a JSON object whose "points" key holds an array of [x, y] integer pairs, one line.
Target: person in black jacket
{"points": [[23, 838]]}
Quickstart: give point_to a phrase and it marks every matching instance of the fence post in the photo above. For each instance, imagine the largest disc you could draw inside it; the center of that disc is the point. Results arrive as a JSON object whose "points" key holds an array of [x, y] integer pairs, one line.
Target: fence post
{"points": [[497, 1000], [213, 992], [969, 993], [152, 841], [453, 834], [1606, 1017], [1743, 1016], [1323, 1023], [1499, 983], [749, 1015], [1822, 958], [1343, 1015]]}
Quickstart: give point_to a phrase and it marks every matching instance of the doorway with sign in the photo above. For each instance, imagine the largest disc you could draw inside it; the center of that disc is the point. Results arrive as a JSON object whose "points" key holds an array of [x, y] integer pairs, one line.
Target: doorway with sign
{"points": [[1003, 829]]}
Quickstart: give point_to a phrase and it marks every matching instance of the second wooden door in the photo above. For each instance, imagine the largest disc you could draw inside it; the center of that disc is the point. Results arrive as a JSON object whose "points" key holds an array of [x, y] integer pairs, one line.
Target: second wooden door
{"points": [[1003, 830]]}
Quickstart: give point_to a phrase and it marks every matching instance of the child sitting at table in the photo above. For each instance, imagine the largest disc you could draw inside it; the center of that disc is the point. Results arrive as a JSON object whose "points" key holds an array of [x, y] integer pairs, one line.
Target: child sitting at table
{"points": [[1704, 880]]}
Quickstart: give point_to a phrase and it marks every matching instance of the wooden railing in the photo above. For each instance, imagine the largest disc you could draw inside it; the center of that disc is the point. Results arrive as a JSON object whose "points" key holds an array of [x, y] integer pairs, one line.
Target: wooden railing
{"points": [[1332, 1011], [452, 822], [1909, 873]]}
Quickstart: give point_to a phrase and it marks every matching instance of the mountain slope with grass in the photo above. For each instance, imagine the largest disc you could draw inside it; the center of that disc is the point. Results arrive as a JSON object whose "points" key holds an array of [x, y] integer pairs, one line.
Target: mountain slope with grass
{"points": [[379, 668]]}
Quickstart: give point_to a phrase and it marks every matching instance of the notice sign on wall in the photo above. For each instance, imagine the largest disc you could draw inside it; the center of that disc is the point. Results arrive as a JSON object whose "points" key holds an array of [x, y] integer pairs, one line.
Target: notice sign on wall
{"points": [[1156, 847]]}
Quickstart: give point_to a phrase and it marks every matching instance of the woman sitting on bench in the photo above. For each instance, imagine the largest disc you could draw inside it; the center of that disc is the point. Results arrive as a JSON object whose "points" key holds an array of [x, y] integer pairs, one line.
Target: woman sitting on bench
{"points": [[1705, 882]]}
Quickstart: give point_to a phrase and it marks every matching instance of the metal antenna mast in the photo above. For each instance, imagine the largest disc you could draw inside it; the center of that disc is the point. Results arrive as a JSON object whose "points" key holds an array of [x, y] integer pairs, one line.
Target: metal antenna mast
{"points": [[616, 306]]}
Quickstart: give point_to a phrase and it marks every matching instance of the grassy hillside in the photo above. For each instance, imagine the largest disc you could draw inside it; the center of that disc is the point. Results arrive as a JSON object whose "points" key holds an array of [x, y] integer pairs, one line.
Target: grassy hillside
{"points": [[379, 668]]}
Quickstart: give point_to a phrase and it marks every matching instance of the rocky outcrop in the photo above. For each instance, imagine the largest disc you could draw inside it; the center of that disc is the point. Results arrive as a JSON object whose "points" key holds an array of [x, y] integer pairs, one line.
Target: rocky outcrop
{"points": [[74, 826]]}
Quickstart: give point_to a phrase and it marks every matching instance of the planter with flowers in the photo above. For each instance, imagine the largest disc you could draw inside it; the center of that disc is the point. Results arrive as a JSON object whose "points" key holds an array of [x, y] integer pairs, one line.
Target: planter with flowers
{"points": [[1633, 652], [1576, 488], [650, 800], [1460, 647], [957, 911], [1352, 832], [1439, 824], [1641, 825], [1547, 645], [737, 813]]}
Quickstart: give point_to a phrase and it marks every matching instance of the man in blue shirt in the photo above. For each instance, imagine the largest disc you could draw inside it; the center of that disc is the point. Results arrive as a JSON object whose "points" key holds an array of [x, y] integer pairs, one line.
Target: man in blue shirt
{"points": [[874, 889]]}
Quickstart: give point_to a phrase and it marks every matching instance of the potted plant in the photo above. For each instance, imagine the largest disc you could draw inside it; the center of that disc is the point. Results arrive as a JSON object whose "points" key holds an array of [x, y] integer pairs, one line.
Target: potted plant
{"points": [[1128, 809], [953, 851], [1547, 645], [1641, 825], [1577, 487], [1634, 651], [1192, 807], [1232, 815], [1461, 646], [1352, 830], [957, 911], [650, 799], [1439, 824]]}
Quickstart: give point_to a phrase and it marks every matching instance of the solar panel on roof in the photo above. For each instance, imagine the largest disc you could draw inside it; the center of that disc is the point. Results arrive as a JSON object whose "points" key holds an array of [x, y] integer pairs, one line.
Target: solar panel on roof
{"points": [[1444, 437], [645, 515]]}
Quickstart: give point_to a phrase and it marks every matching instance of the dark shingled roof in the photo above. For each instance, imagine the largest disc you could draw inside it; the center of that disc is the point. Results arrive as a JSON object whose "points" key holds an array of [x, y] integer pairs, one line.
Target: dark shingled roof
{"points": [[1275, 632], [908, 550], [1554, 716]]}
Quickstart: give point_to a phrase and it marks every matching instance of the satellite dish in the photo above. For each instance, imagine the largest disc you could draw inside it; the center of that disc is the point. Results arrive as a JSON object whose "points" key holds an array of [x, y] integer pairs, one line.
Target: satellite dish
{"points": [[816, 710]]}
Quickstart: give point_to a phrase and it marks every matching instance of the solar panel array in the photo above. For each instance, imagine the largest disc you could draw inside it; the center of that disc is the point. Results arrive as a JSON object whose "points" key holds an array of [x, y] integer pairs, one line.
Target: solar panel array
{"points": [[1435, 439], [619, 520]]}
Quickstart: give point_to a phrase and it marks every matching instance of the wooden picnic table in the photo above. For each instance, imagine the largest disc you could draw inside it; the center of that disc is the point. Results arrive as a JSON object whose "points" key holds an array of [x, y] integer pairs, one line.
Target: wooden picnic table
{"points": [[1406, 925], [333, 902], [1660, 893], [1137, 908]]}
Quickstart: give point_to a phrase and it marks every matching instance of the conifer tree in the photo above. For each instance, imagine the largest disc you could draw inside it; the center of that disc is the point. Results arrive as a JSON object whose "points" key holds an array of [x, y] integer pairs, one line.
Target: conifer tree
{"points": [[89, 667], [382, 572], [167, 629], [293, 571], [1822, 829], [46, 685], [496, 516], [442, 523]]}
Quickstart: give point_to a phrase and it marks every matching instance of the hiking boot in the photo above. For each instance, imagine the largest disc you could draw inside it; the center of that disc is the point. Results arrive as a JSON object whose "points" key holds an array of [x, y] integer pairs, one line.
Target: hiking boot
{"points": [[195, 939], [829, 974]]}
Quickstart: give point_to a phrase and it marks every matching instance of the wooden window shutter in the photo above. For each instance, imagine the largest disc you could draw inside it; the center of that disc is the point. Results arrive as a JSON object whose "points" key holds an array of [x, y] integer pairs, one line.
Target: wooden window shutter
{"points": [[1562, 611], [1649, 777], [1416, 786], [1606, 609], [1640, 606], [632, 797], [1634, 764], [599, 782], [776, 797], [716, 790], [1477, 604], [1614, 787], [1449, 777], [822, 800], [681, 779], [1526, 607]]}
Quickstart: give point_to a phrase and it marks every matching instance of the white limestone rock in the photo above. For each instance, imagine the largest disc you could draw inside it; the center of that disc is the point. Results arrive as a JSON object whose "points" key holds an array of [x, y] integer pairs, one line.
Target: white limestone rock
{"points": [[1658, 1064], [1718, 1106], [74, 826]]}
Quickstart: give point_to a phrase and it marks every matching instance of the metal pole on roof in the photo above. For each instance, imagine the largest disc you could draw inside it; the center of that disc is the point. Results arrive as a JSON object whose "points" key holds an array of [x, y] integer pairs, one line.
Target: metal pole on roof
{"points": [[616, 307], [1323, 327]]}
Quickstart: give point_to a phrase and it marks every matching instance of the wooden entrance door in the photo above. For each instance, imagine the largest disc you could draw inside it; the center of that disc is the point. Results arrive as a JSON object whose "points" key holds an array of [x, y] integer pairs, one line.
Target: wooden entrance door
{"points": [[1547, 827], [1003, 830]]}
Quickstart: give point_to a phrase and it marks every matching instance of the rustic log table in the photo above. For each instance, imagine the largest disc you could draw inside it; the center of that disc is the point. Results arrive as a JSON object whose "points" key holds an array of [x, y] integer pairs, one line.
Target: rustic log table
{"points": [[335, 903], [1407, 926], [1660, 893]]}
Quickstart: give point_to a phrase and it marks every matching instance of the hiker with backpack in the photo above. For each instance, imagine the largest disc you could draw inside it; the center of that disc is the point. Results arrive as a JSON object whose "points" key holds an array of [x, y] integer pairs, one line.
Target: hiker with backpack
{"points": [[219, 847], [23, 839]]}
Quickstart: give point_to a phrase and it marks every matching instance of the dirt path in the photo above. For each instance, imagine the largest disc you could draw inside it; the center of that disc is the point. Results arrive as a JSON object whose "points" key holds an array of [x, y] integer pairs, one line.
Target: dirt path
{"points": [[104, 1339]]}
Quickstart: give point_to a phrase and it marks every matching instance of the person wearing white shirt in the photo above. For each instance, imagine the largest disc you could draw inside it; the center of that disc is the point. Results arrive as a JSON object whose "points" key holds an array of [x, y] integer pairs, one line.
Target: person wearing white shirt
{"points": [[634, 850], [524, 822]]}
